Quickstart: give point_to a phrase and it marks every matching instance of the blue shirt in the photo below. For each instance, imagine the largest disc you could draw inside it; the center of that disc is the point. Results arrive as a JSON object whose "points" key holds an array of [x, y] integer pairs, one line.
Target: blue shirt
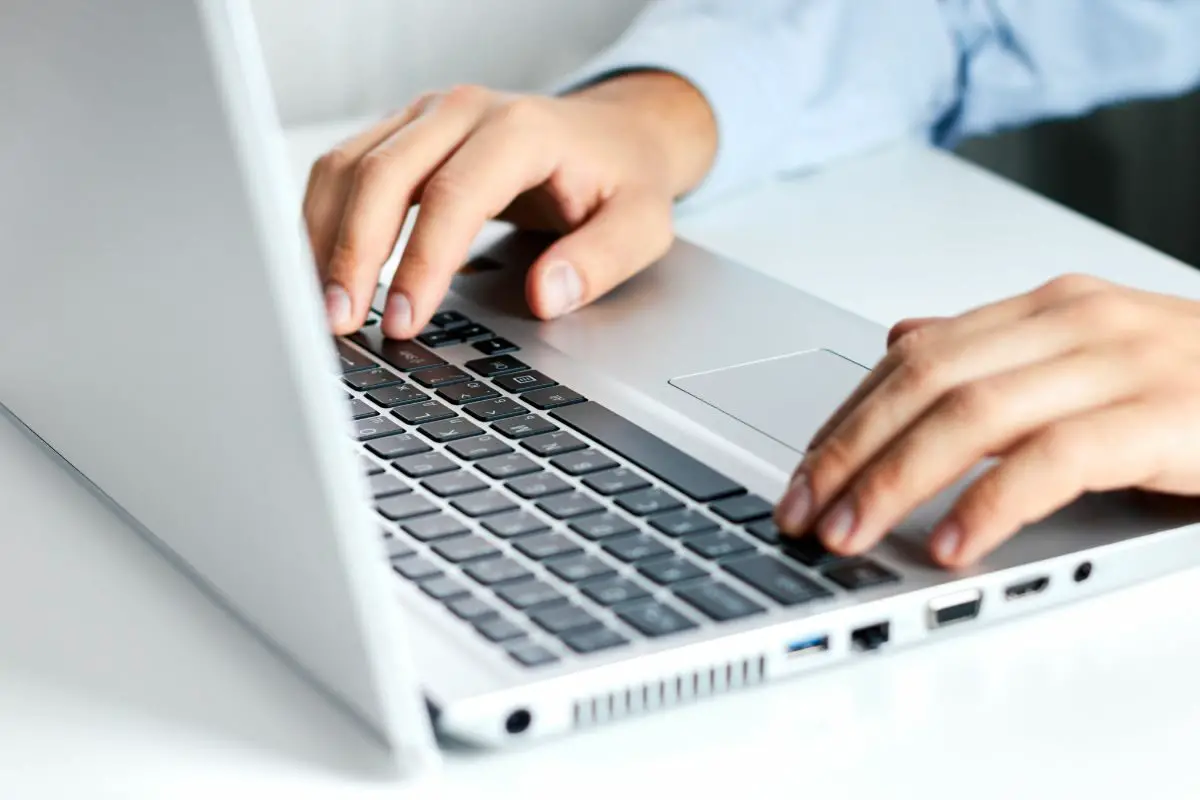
{"points": [[796, 83]]}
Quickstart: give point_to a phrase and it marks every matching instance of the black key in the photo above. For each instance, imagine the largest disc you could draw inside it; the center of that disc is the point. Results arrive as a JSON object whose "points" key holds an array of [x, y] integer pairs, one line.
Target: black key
{"points": [[614, 481], [744, 508], [470, 608], [495, 347], [398, 446], [488, 367], [507, 466], [420, 413], [416, 568], [351, 360], [683, 523], [583, 462], [397, 549], [614, 591], [560, 619], [473, 331], [392, 396], [493, 571], [592, 640], [777, 580], [567, 506], [500, 408], [405, 506], [524, 382], [443, 588], [449, 430], [424, 465], [516, 523], [439, 338], [386, 485], [479, 447], [371, 379], [464, 548], [428, 529], [528, 654], [547, 545], [648, 501], [360, 410], [654, 619], [631, 549], [449, 319], [551, 444], [440, 376], [672, 570], [765, 530], [809, 551], [860, 573], [481, 504], [452, 484], [554, 397], [469, 392], [580, 568], [533, 486], [498, 629], [718, 601], [521, 427], [404, 356], [718, 544], [602, 526], [368, 466], [528, 594], [374, 428], [664, 461]]}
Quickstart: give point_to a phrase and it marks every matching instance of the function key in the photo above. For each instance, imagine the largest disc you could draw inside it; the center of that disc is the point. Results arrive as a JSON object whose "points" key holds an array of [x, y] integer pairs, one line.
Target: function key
{"points": [[470, 392], [351, 360], [374, 428], [440, 376], [405, 356], [495, 347], [744, 508], [440, 338], [449, 319], [654, 619], [859, 574], [392, 396], [420, 413], [473, 331], [554, 397], [489, 367], [718, 601], [405, 444], [448, 430], [528, 654], [524, 382], [500, 408], [371, 379], [521, 427], [550, 444]]}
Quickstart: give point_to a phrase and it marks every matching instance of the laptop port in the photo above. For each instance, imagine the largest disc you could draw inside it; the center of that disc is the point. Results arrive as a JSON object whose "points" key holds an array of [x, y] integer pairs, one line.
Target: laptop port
{"points": [[1026, 588], [871, 637], [808, 647], [961, 607]]}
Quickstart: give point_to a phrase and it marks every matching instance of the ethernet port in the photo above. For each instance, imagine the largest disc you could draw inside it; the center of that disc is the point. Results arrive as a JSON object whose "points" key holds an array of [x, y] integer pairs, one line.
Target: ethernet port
{"points": [[870, 637]]}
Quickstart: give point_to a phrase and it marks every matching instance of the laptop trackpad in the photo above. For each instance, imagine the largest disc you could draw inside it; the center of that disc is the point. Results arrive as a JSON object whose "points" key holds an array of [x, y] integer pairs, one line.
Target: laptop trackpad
{"points": [[786, 398]]}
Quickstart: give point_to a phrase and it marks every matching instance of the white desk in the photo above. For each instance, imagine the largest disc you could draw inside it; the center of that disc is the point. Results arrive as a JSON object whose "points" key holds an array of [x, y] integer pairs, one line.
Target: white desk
{"points": [[117, 679]]}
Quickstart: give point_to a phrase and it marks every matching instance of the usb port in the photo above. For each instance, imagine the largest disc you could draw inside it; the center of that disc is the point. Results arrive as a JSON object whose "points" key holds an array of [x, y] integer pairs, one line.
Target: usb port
{"points": [[961, 607], [808, 647], [1026, 588]]}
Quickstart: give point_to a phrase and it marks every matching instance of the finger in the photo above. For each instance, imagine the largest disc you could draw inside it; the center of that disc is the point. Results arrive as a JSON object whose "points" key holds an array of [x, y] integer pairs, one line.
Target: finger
{"points": [[907, 326]]}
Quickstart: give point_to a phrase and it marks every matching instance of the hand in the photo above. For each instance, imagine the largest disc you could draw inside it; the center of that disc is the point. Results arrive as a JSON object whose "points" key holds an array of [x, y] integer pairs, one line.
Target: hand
{"points": [[1080, 386], [602, 166]]}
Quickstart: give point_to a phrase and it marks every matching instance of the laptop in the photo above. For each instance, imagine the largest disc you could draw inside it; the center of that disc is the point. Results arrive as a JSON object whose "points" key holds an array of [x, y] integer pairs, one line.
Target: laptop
{"points": [[501, 531]]}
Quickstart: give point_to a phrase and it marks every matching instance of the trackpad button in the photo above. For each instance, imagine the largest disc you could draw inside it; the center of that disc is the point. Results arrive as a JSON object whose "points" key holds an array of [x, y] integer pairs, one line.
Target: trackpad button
{"points": [[785, 398]]}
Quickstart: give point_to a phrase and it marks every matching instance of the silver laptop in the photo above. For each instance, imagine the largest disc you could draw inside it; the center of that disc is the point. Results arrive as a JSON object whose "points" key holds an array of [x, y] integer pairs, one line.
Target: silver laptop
{"points": [[526, 528]]}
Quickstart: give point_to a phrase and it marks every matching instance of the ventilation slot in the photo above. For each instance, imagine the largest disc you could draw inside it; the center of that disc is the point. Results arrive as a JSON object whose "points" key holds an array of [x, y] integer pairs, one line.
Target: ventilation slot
{"points": [[671, 691]]}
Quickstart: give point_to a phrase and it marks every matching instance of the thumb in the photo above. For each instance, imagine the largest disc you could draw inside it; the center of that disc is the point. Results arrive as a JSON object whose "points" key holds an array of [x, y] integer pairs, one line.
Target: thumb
{"points": [[624, 235], [906, 326]]}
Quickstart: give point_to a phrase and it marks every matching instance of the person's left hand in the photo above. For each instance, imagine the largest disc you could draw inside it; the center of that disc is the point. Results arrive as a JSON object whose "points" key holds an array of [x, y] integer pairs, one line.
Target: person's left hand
{"points": [[1076, 387]]}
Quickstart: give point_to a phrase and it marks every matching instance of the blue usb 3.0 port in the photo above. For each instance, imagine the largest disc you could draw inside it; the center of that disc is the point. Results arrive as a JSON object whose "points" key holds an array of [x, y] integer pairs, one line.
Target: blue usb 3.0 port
{"points": [[808, 647]]}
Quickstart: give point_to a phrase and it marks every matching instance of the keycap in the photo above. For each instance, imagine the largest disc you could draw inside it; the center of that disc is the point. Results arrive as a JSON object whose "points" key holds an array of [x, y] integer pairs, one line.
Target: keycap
{"points": [[648, 501], [374, 428], [492, 571], [488, 367], [404, 506], [439, 338], [399, 446], [560, 619], [449, 319], [423, 465], [481, 504], [528, 594], [479, 447], [500, 408], [449, 430], [718, 601], [386, 485], [473, 331], [351, 360], [808, 550], [522, 427], [368, 466], [452, 484], [550, 444], [443, 588], [664, 461], [579, 568], [507, 466], [717, 544], [360, 410], [744, 508], [498, 629], [635, 548], [601, 526], [371, 379], [403, 355], [860, 573], [672, 570], [399, 395], [514, 523], [415, 568], [553, 397], [427, 529], [531, 487], [420, 413], [470, 392], [464, 548], [582, 462], [613, 591], [495, 347], [614, 481], [776, 580], [440, 376], [523, 382], [765, 530], [683, 523], [568, 505], [654, 619], [396, 548], [592, 640], [470, 608], [547, 545], [529, 654]]}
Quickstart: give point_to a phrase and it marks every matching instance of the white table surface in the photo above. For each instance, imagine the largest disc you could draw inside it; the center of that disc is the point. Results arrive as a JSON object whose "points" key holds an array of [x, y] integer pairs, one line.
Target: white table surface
{"points": [[118, 679]]}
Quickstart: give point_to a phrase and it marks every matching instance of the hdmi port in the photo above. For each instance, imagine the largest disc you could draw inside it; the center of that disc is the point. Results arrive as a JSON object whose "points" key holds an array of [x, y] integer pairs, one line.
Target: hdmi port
{"points": [[1026, 588]]}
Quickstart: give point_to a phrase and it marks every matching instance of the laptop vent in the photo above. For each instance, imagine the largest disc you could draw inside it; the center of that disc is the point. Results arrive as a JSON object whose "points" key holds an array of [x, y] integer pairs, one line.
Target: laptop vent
{"points": [[672, 691]]}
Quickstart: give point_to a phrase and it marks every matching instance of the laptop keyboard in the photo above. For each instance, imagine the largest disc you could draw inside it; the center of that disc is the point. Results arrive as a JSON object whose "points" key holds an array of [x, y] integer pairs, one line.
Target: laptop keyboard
{"points": [[551, 525]]}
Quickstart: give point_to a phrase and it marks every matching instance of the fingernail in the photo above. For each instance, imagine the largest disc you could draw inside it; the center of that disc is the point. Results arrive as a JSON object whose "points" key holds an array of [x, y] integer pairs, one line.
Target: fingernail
{"points": [[837, 525], [398, 315], [337, 305], [946, 540], [562, 289], [796, 504]]}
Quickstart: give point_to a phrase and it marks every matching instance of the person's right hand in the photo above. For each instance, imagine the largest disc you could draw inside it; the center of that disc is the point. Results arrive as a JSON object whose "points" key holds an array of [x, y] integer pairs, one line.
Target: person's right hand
{"points": [[602, 167]]}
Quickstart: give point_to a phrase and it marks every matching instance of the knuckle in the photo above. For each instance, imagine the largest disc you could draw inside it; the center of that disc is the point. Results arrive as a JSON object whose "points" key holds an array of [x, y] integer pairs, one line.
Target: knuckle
{"points": [[1062, 448], [330, 163], [920, 374], [465, 95], [833, 459], [1105, 309], [343, 259], [972, 402], [882, 487], [445, 188], [521, 113], [1071, 284], [984, 502], [373, 165]]}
